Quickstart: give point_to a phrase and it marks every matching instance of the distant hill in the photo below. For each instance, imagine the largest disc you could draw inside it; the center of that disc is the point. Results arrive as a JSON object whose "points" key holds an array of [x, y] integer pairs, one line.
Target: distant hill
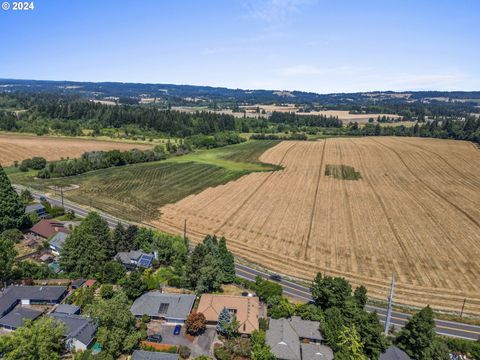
{"points": [[190, 94]]}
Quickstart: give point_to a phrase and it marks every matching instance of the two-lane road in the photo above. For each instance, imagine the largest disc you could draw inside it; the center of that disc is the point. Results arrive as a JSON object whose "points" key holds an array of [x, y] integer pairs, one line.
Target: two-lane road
{"points": [[290, 288]]}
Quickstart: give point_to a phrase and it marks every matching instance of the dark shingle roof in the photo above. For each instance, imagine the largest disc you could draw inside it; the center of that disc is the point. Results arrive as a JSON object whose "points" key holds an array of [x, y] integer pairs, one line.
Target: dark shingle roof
{"points": [[150, 355], [77, 327], [394, 353], [176, 306], [67, 309], [306, 329], [16, 318], [14, 294], [283, 340], [316, 352]]}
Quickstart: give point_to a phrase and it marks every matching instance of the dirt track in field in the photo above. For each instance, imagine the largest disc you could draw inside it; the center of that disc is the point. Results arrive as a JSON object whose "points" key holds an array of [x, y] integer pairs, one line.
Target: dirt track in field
{"points": [[20, 147], [414, 212]]}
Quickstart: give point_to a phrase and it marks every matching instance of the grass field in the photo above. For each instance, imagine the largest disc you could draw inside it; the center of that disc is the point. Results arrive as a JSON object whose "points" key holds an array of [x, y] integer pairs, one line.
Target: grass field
{"points": [[135, 192], [14, 147], [413, 211]]}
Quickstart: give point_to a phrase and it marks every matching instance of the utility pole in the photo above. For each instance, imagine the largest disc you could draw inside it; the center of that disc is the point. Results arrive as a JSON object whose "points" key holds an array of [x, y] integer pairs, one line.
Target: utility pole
{"points": [[463, 307], [389, 309], [61, 192], [185, 231]]}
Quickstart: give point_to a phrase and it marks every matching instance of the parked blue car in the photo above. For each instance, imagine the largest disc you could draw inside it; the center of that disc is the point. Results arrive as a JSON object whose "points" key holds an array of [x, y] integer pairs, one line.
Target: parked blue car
{"points": [[177, 330]]}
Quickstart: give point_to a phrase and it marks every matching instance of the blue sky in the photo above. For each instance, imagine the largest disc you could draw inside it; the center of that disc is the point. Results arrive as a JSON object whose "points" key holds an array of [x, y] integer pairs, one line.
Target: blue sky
{"points": [[312, 45]]}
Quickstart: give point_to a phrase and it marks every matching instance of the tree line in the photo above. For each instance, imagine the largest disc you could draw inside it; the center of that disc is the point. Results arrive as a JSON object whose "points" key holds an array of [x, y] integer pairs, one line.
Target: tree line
{"points": [[95, 160], [468, 129]]}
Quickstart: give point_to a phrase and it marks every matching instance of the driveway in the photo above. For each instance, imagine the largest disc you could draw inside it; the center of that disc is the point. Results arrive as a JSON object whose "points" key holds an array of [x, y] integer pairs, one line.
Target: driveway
{"points": [[200, 345]]}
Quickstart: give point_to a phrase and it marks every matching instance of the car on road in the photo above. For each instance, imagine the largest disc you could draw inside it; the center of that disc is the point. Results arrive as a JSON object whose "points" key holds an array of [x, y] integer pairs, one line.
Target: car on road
{"points": [[177, 330], [157, 338], [275, 277], [43, 198]]}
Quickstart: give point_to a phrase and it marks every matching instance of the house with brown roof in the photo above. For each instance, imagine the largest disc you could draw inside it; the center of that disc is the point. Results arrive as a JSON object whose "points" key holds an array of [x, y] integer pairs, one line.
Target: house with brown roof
{"points": [[245, 308], [48, 228]]}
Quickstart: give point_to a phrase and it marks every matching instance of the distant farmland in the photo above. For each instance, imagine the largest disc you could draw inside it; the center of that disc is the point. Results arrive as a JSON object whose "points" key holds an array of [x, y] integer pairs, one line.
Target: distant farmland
{"points": [[20, 147], [413, 209]]}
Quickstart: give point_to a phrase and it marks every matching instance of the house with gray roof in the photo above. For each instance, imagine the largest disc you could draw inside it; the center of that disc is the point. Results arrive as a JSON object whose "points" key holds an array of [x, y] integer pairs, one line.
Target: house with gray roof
{"points": [[79, 330], [38, 209], [173, 308], [57, 241], [133, 259], [316, 352], [309, 330], [17, 317], [26, 295], [67, 309], [297, 339], [394, 353], [150, 355]]}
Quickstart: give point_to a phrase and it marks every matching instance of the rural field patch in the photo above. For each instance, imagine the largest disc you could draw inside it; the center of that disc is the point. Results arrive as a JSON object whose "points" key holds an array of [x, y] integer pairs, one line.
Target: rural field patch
{"points": [[135, 192], [414, 211], [20, 147]]}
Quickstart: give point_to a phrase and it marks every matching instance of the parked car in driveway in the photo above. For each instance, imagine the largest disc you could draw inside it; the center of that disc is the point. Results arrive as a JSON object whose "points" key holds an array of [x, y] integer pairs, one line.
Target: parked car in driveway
{"points": [[177, 330], [155, 338]]}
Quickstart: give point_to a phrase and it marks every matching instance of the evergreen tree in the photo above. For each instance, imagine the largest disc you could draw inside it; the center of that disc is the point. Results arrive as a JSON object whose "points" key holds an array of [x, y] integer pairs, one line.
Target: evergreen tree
{"points": [[224, 318], [360, 295], [12, 209], [118, 238], [228, 261], [417, 338], [88, 248]]}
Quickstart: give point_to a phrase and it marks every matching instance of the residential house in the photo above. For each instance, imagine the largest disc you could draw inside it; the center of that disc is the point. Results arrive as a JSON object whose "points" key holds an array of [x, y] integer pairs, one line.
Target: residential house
{"points": [[173, 308], [67, 309], [133, 259], [48, 228], [297, 339], [57, 241], [394, 353], [38, 209], [27, 295], [246, 310], [79, 330], [13, 298], [151, 355], [17, 317]]}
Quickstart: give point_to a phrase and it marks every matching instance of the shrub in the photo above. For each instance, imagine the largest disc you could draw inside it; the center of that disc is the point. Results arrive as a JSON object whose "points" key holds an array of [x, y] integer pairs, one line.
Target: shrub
{"points": [[195, 323]]}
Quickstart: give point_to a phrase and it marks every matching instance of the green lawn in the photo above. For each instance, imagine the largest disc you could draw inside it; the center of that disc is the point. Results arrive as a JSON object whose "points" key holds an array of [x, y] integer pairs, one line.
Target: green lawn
{"points": [[135, 192]]}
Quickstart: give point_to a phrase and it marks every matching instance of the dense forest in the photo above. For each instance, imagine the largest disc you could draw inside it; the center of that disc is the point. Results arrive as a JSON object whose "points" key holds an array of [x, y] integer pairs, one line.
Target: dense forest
{"points": [[44, 113]]}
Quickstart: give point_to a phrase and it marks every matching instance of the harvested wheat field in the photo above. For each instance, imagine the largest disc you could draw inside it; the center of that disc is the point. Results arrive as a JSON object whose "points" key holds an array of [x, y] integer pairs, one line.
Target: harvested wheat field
{"points": [[411, 206], [20, 147]]}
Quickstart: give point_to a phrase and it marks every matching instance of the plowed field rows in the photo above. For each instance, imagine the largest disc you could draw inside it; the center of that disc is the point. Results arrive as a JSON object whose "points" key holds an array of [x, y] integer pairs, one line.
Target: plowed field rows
{"points": [[414, 212]]}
